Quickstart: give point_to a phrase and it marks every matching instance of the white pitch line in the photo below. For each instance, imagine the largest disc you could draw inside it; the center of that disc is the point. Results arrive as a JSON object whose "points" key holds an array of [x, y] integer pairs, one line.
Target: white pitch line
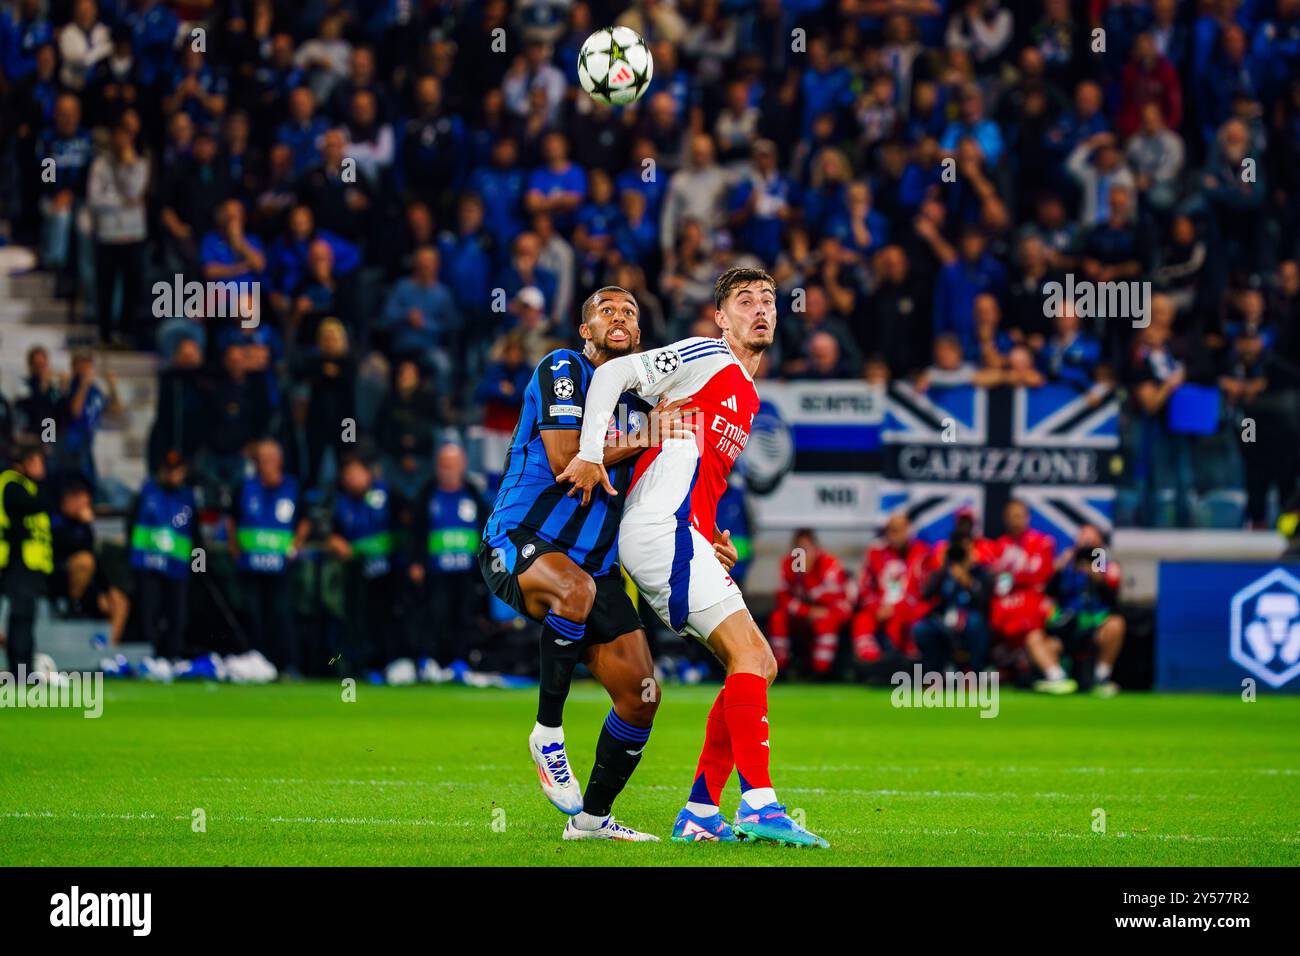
{"points": [[241, 818], [881, 768], [247, 782], [466, 825], [1060, 834]]}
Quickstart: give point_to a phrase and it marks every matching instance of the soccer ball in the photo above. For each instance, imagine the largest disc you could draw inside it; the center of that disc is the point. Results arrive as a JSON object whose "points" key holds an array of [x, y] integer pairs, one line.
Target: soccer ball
{"points": [[615, 66]]}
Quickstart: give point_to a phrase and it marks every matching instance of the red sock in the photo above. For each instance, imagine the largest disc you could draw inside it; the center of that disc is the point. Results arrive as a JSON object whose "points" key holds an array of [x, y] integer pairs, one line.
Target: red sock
{"points": [[746, 713], [715, 759]]}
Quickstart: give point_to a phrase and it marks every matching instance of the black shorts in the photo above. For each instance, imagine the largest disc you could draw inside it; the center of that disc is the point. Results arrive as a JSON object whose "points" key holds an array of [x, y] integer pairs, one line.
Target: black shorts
{"points": [[1077, 632], [611, 616]]}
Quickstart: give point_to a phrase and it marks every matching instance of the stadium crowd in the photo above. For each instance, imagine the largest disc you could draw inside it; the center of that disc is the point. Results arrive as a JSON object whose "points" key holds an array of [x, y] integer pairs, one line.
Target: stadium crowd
{"points": [[411, 198]]}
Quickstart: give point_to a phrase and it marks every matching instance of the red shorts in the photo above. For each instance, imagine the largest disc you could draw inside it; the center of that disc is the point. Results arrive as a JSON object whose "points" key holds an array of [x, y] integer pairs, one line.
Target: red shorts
{"points": [[896, 628], [1014, 616]]}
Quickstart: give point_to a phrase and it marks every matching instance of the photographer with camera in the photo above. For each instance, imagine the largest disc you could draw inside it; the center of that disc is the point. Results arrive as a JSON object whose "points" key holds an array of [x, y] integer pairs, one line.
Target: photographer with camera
{"points": [[1085, 621], [959, 590]]}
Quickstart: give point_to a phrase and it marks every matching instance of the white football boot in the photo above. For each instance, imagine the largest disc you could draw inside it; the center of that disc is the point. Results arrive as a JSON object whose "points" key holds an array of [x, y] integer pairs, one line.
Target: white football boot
{"points": [[609, 829], [546, 747]]}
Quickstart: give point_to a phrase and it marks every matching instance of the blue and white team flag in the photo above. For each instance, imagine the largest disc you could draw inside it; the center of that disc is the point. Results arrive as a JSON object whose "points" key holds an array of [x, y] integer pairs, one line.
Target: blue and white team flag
{"points": [[957, 447]]}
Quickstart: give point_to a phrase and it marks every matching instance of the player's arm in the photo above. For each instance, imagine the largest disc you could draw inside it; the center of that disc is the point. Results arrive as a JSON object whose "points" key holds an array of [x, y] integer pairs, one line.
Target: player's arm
{"points": [[666, 420], [626, 373], [562, 447]]}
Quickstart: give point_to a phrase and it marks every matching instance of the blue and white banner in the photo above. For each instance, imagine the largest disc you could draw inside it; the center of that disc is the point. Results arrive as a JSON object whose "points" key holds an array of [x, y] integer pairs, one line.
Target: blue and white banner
{"points": [[1221, 624], [814, 455], [956, 447]]}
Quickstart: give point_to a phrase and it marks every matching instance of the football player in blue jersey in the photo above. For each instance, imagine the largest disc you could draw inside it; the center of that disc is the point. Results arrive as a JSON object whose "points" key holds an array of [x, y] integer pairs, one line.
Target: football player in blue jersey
{"points": [[555, 560]]}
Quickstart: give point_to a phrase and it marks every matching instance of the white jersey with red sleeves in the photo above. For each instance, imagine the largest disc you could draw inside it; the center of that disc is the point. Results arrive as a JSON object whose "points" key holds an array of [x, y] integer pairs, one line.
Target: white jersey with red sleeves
{"points": [[666, 534], [680, 476]]}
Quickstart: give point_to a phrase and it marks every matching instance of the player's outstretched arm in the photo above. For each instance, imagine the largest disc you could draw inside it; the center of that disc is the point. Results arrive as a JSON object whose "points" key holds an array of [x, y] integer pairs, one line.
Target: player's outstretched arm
{"points": [[610, 380]]}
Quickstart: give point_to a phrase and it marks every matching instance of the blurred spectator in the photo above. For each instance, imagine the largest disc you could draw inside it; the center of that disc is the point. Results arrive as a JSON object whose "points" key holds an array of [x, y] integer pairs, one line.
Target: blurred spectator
{"points": [[1149, 79], [501, 392], [973, 124], [526, 269], [80, 587], [329, 374], [1155, 153], [39, 409], [761, 202], [228, 253], [991, 345], [975, 271], [1260, 389], [799, 333], [468, 256], [420, 317], [407, 422], [115, 194], [695, 193], [1071, 355], [559, 186], [64, 150], [236, 412], [1098, 167], [1181, 265], [196, 88], [1161, 460], [177, 425], [302, 130], [982, 28], [81, 414], [890, 328], [194, 190], [82, 44]]}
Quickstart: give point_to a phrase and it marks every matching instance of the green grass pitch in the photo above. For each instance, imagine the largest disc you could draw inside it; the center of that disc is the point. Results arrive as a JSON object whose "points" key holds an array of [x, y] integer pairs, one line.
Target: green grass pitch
{"points": [[292, 775]]}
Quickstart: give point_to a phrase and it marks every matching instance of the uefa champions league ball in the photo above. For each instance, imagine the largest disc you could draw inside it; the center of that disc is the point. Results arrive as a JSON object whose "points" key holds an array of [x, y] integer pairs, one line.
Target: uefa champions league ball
{"points": [[615, 66]]}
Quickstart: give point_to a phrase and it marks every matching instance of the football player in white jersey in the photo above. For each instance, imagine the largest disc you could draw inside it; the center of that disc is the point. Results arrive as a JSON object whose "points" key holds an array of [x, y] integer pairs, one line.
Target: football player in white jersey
{"points": [[671, 506]]}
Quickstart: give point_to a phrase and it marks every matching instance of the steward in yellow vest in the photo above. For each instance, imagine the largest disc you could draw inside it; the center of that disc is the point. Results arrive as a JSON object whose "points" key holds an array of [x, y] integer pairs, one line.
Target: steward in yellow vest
{"points": [[26, 550]]}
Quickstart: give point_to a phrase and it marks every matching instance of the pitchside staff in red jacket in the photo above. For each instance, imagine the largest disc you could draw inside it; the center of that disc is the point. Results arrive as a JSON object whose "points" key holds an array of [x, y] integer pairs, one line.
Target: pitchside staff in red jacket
{"points": [[815, 599], [1021, 562], [889, 593]]}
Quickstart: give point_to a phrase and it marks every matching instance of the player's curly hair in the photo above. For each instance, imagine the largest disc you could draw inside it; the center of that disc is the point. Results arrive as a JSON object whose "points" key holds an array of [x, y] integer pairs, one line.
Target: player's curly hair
{"points": [[736, 277]]}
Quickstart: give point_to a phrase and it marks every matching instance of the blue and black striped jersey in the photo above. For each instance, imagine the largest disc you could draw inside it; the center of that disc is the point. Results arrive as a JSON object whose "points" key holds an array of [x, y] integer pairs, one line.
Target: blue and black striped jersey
{"points": [[529, 496]]}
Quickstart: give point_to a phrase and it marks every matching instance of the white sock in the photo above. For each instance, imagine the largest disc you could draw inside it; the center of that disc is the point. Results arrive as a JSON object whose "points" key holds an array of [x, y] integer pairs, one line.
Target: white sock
{"points": [[549, 735], [701, 809], [1101, 672], [1055, 672], [758, 797], [587, 821]]}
